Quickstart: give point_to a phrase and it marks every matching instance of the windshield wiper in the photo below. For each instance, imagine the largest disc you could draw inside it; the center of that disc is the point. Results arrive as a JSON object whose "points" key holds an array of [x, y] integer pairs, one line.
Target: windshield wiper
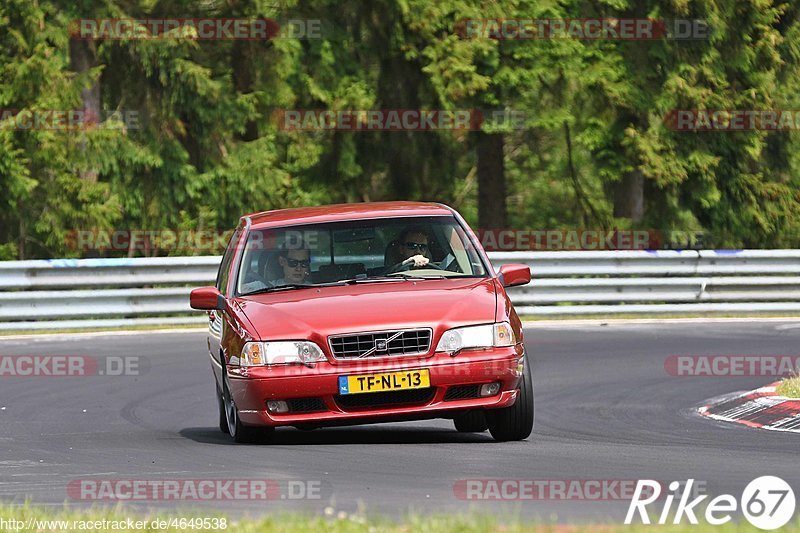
{"points": [[279, 288], [366, 279], [291, 286], [403, 275]]}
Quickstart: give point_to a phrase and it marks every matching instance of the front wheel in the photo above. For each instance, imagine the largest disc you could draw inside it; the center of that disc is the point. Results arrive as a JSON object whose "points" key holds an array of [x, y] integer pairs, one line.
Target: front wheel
{"points": [[223, 417], [515, 422], [237, 430]]}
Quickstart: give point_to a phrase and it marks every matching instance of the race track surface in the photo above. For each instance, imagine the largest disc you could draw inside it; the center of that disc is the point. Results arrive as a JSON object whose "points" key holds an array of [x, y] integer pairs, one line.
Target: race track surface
{"points": [[606, 409]]}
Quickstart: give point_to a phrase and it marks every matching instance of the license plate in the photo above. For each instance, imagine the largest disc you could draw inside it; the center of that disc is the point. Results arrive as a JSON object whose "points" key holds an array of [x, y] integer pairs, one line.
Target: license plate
{"points": [[386, 381]]}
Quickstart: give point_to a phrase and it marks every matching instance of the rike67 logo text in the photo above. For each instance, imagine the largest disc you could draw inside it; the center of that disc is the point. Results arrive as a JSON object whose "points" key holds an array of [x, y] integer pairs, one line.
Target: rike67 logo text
{"points": [[767, 502]]}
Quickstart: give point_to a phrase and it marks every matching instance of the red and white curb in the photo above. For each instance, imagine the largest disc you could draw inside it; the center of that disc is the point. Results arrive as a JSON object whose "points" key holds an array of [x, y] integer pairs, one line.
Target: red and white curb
{"points": [[761, 408]]}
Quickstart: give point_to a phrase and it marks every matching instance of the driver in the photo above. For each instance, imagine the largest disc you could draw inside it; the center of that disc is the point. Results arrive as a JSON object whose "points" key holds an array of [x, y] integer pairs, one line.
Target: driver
{"points": [[412, 248]]}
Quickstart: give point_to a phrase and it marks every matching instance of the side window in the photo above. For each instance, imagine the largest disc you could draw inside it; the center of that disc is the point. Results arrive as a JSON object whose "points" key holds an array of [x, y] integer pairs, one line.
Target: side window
{"points": [[225, 267]]}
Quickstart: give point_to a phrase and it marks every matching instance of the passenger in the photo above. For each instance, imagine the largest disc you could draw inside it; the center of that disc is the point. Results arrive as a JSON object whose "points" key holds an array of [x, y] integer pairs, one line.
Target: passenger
{"points": [[296, 266]]}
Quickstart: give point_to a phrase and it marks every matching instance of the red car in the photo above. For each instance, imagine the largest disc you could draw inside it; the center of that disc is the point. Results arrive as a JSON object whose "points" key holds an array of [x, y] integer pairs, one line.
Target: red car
{"points": [[372, 312]]}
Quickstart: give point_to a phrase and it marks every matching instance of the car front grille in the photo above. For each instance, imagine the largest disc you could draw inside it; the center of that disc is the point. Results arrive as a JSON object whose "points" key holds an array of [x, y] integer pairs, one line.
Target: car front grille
{"points": [[382, 399], [381, 343], [462, 392]]}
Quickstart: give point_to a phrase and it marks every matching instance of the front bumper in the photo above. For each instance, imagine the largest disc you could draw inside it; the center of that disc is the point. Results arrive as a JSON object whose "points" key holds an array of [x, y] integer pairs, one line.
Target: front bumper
{"points": [[253, 387]]}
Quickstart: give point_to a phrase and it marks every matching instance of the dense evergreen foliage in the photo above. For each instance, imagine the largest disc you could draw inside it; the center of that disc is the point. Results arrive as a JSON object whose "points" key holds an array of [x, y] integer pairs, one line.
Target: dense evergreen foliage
{"points": [[592, 150]]}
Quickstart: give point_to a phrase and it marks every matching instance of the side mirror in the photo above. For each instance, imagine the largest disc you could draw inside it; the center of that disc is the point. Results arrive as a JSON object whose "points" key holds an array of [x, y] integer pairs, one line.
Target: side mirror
{"points": [[513, 275], [207, 299]]}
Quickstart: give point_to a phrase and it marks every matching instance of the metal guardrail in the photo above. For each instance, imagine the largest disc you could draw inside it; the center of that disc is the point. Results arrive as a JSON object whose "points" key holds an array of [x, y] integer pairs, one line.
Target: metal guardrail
{"points": [[67, 293]]}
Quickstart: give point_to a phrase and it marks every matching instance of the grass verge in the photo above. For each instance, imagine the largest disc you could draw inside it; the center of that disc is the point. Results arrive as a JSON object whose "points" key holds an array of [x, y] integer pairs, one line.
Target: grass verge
{"points": [[789, 387], [652, 316], [19, 518]]}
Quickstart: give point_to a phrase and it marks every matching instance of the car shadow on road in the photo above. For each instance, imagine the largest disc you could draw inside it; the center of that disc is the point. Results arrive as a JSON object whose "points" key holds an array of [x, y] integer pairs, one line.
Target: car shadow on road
{"points": [[344, 436]]}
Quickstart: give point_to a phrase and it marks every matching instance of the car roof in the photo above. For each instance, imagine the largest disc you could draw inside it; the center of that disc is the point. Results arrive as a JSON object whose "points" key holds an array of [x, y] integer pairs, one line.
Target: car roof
{"points": [[338, 212]]}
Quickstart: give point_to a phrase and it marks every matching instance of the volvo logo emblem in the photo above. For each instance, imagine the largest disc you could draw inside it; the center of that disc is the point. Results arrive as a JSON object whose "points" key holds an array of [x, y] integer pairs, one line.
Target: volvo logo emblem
{"points": [[381, 345]]}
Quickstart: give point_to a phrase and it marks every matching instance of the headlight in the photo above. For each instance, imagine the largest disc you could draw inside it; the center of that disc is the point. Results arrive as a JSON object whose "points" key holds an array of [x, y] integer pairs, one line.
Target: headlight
{"points": [[485, 336], [280, 353]]}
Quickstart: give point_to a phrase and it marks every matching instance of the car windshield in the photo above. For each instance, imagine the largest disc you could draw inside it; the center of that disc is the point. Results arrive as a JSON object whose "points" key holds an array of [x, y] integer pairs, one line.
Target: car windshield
{"points": [[368, 251]]}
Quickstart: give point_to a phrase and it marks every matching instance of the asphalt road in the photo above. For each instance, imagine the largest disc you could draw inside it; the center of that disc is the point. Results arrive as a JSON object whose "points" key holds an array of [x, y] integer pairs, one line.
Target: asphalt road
{"points": [[606, 409]]}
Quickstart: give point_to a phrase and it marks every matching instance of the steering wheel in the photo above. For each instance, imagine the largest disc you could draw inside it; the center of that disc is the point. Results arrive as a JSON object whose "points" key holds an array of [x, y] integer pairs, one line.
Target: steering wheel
{"points": [[410, 266]]}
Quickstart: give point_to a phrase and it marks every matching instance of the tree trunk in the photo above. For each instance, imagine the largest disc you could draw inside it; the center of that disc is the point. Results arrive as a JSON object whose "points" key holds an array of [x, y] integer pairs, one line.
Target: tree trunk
{"points": [[21, 255], [492, 212], [83, 57], [398, 88], [243, 79], [629, 196]]}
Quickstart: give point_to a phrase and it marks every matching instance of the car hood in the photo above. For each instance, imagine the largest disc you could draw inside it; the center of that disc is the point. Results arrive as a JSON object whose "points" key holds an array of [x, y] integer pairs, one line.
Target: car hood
{"points": [[315, 313]]}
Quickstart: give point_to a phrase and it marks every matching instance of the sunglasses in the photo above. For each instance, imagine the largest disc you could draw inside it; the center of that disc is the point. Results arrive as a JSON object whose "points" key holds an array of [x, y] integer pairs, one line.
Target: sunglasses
{"points": [[294, 263], [416, 246]]}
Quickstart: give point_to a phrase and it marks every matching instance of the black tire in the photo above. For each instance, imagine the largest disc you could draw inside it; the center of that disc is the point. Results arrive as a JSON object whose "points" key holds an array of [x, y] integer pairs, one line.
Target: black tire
{"points": [[223, 419], [471, 422], [241, 433], [515, 422]]}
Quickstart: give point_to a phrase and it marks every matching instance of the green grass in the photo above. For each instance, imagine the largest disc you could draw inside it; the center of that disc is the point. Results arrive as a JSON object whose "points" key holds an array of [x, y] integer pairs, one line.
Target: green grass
{"points": [[651, 316], [330, 522], [789, 387]]}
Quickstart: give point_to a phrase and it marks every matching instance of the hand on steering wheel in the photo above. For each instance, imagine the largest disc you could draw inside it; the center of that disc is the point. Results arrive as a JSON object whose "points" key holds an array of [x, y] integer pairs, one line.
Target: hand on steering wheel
{"points": [[415, 261]]}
